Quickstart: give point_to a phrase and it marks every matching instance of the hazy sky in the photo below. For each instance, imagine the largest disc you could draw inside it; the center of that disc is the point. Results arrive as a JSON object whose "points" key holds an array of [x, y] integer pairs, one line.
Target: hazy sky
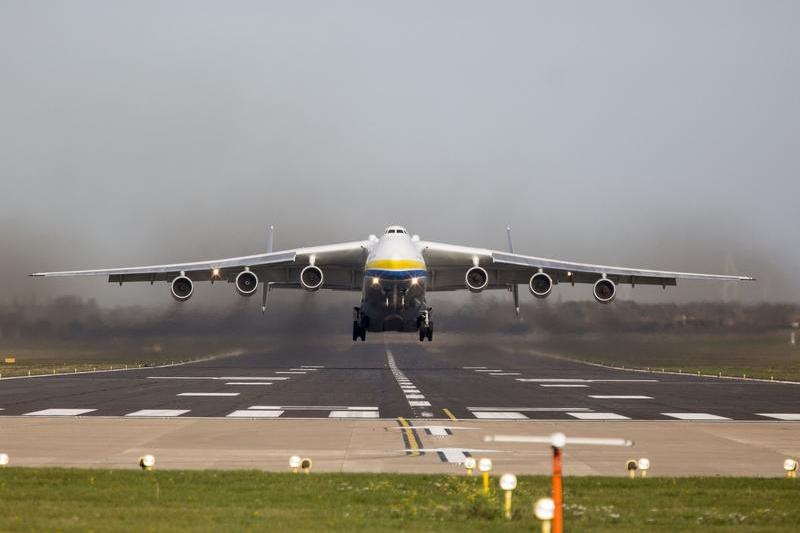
{"points": [[661, 135]]}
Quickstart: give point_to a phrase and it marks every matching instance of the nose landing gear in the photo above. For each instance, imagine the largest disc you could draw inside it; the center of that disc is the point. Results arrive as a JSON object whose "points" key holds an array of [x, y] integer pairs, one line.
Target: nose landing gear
{"points": [[360, 323], [425, 326]]}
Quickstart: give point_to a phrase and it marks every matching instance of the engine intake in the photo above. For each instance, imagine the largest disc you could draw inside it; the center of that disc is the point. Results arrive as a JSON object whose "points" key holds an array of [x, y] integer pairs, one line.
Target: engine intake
{"points": [[540, 285], [181, 288], [311, 278], [246, 283], [477, 279], [604, 290]]}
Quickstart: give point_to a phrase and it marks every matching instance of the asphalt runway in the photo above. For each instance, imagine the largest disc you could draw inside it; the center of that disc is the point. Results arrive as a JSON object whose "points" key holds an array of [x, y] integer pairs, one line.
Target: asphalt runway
{"points": [[394, 376]]}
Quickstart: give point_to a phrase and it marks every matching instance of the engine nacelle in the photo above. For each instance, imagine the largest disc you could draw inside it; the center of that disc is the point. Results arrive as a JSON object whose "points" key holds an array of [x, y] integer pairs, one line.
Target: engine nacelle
{"points": [[540, 285], [246, 283], [181, 288], [311, 278], [604, 290], [476, 279]]}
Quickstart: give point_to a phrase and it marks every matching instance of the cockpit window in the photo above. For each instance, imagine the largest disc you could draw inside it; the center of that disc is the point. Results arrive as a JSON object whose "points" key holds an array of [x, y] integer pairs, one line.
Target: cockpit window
{"points": [[396, 230]]}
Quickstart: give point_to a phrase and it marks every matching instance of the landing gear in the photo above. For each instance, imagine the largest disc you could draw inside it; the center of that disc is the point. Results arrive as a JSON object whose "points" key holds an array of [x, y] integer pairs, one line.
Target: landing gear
{"points": [[425, 326], [359, 326]]}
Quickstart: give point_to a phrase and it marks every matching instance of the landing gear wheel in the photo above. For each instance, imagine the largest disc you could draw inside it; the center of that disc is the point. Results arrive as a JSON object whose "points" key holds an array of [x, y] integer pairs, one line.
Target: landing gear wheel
{"points": [[429, 333], [363, 333], [356, 331], [422, 334]]}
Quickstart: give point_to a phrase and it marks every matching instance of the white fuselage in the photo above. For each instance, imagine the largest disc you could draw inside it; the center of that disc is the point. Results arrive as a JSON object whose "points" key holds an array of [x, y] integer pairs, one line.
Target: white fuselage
{"points": [[393, 294]]}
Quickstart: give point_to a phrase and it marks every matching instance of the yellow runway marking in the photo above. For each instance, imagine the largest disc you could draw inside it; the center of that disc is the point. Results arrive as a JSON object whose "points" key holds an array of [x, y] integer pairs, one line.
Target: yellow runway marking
{"points": [[409, 435], [449, 414]]}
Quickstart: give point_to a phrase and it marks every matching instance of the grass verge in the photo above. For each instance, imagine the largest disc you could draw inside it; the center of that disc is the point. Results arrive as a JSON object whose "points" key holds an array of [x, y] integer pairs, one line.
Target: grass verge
{"points": [[126, 500]]}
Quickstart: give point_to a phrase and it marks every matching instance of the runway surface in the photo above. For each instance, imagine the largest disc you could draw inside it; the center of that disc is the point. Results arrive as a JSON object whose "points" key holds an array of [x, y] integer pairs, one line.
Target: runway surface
{"points": [[395, 376]]}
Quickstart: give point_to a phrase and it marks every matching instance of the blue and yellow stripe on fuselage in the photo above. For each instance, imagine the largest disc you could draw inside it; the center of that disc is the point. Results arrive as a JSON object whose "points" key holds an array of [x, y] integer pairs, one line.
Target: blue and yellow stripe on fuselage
{"points": [[395, 269]]}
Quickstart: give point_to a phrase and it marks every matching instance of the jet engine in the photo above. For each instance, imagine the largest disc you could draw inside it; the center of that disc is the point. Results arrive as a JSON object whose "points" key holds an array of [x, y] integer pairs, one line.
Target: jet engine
{"points": [[604, 290], [477, 279], [540, 285], [311, 278], [181, 288], [246, 283]]}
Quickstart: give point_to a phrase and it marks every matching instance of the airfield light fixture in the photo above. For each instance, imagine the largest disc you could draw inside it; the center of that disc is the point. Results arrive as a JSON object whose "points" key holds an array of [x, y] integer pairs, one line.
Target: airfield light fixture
{"points": [[544, 509], [485, 466], [294, 463], [508, 482], [644, 465], [147, 462], [631, 465], [558, 440], [4, 459], [790, 467], [469, 464], [305, 464]]}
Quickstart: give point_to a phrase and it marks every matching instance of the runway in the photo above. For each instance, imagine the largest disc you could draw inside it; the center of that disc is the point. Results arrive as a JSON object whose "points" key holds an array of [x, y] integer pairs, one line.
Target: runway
{"points": [[396, 376], [396, 405]]}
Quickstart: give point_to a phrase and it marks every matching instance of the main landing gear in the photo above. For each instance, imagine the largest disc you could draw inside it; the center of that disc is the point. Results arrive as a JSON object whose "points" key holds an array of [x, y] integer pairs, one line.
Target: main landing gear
{"points": [[359, 326], [425, 326]]}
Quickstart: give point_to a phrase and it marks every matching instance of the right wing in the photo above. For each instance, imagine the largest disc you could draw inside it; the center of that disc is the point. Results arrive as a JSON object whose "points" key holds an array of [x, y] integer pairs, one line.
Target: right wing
{"points": [[343, 265]]}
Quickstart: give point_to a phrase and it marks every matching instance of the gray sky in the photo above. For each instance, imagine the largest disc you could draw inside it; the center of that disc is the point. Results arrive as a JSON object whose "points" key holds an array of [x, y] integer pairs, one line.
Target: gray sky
{"points": [[661, 135]]}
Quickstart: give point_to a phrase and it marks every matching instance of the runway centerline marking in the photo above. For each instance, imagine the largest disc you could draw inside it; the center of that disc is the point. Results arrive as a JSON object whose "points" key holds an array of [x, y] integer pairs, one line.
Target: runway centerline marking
{"points": [[60, 412], [619, 397], [208, 394], [695, 416], [159, 412], [416, 400]]}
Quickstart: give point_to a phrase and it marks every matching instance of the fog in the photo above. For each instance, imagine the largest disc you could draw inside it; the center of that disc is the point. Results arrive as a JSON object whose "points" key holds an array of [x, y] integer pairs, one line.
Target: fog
{"points": [[654, 135]]}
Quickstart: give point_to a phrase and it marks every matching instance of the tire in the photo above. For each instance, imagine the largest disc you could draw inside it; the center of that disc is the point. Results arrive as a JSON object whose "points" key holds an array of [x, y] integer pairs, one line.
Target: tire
{"points": [[429, 334], [421, 334], [356, 331], [363, 334]]}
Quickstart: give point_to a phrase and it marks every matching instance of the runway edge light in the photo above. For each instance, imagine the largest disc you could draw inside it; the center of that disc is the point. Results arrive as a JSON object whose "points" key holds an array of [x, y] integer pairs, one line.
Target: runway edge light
{"points": [[305, 465], [544, 509], [294, 463], [147, 462], [790, 467], [485, 466], [644, 465], [508, 482], [4, 459], [631, 465], [469, 464]]}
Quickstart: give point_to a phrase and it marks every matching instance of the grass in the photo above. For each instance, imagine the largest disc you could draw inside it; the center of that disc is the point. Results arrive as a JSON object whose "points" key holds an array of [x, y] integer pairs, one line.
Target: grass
{"points": [[758, 355], [117, 500]]}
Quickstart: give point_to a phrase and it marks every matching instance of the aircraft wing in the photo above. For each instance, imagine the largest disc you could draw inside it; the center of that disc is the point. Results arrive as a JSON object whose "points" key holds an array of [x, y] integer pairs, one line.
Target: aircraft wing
{"points": [[448, 263], [342, 263]]}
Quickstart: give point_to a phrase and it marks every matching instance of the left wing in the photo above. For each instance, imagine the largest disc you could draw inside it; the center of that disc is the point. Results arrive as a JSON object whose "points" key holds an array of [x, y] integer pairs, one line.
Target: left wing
{"points": [[448, 263]]}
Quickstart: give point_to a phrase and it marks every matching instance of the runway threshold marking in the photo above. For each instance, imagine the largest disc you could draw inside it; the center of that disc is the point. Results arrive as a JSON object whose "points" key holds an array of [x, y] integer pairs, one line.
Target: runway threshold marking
{"points": [[598, 416], [449, 414], [253, 413], [410, 438], [353, 414], [158, 412], [60, 412], [695, 416]]}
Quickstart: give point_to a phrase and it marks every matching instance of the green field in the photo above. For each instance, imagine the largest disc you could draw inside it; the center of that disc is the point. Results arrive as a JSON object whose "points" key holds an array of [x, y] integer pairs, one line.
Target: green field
{"points": [[117, 500], [758, 355]]}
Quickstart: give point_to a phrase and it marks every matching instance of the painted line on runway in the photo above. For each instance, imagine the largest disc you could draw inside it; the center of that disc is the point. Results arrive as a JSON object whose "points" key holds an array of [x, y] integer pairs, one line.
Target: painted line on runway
{"points": [[504, 373], [312, 366], [353, 414], [472, 367], [619, 397], [158, 412], [695, 416], [449, 414], [598, 416], [60, 412], [312, 408], [248, 383], [306, 369], [252, 413], [499, 415], [490, 370], [580, 380], [416, 400], [225, 378], [207, 394], [289, 372], [545, 409], [781, 416], [410, 438], [562, 385]]}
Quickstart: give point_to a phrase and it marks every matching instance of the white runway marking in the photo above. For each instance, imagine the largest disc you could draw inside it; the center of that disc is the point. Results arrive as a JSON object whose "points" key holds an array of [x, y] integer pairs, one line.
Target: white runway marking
{"points": [[504, 373], [419, 403], [781, 416], [224, 378], [598, 416], [208, 394], [415, 397], [472, 367], [695, 416], [253, 413], [563, 385], [248, 383], [159, 412], [556, 409], [437, 431], [619, 397], [353, 414], [501, 415], [289, 372], [315, 367], [490, 370], [60, 412], [311, 408], [579, 380], [306, 369]]}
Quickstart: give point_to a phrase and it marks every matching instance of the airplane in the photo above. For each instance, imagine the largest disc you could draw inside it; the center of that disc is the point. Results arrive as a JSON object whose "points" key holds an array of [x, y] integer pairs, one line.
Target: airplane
{"points": [[393, 272]]}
